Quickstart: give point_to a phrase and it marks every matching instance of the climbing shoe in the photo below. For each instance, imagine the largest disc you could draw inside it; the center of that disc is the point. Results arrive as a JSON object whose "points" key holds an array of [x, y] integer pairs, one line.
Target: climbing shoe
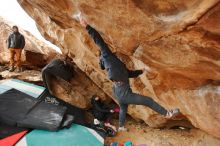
{"points": [[11, 68], [123, 129], [19, 69]]}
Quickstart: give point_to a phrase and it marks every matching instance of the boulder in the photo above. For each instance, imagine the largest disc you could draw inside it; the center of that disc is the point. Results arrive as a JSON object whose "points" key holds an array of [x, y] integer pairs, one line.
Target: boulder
{"points": [[176, 40]]}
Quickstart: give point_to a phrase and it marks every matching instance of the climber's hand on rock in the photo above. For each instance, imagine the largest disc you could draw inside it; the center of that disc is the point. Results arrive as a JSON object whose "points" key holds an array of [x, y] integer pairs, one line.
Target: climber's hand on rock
{"points": [[82, 21], [144, 70], [151, 74]]}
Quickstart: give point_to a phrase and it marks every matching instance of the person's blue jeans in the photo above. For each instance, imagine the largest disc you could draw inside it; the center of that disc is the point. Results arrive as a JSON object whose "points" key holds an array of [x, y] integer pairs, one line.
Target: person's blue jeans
{"points": [[125, 97]]}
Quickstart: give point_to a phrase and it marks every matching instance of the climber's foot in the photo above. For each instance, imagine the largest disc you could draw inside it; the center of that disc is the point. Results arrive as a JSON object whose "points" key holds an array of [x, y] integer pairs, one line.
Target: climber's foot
{"points": [[122, 129], [11, 68], [18, 69]]}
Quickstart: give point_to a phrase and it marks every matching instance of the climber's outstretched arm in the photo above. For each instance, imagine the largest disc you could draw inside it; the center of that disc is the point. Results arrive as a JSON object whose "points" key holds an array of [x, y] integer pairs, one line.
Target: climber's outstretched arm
{"points": [[97, 38]]}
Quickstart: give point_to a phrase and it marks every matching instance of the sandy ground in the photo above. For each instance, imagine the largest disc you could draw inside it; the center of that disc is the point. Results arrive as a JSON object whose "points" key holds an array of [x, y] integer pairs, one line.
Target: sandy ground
{"points": [[28, 75], [142, 134]]}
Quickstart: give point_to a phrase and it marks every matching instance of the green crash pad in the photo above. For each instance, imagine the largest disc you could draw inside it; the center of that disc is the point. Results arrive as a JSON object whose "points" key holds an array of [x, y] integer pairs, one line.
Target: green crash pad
{"points": [[76, 135]]}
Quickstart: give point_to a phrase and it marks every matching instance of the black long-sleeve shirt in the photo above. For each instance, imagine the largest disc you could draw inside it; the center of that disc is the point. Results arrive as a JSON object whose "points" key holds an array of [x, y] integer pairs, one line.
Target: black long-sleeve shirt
{"points": [[98, 106], [99, 109], [116, 69]]}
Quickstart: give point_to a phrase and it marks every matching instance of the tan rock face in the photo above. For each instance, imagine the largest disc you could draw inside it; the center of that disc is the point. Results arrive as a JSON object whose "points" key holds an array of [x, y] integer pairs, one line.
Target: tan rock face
{"points": [[36, 52], [32, 76], [78, 91], [177, 40]]}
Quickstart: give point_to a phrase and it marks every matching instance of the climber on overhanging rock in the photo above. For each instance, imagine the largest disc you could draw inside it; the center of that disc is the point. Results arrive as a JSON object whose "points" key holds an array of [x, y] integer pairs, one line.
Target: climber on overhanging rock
{"points": [[119, 74]]}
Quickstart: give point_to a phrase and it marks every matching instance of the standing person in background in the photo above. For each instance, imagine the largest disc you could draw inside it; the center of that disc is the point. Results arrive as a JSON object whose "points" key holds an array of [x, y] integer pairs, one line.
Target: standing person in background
{"points": [[119, 74], [16, 43]]}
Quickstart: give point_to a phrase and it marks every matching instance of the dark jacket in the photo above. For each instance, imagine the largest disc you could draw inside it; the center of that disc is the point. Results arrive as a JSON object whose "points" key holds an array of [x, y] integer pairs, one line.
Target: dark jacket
{"points": [[117, 70], [16, 41], [99, 109], [97, 105]]}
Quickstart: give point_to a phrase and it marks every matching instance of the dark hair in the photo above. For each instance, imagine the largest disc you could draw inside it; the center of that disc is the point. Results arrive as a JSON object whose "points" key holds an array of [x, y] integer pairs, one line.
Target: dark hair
{"points": [[14, 27], [93, 101], [93, 97]]}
